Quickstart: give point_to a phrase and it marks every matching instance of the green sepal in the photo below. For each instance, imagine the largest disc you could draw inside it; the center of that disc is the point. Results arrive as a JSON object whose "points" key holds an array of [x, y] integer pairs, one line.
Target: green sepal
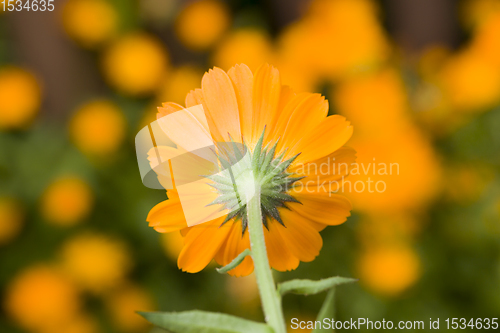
{"points": [[267, 160], [204, 322], [236, 261], [238, 154], [223, 198], [279, 169], [222, 180], [257, 152], [310, 287]]}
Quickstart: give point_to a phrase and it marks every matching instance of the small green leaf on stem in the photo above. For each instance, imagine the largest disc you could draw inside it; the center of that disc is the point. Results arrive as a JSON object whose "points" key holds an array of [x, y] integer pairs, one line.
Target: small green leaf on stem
{"points": [[309, 287], [236, 261], [204, 322]]}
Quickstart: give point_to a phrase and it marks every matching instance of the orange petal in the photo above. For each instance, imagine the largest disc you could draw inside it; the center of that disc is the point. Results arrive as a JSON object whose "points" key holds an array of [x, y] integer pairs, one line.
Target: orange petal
{"points": [[235, 244], [331, 134], [309, 111], [288, 103], [195, 97], [222, 104], [185, 231], [201, 245], [168, 108], [246, 267], [326, 208], [158, 158], [187, 128], [317, 226], [187, 167], [242, 79], [266, 97], [300, 236], [319, 173], [196, 198], [286, 95], [167, 216], [280, 257]]}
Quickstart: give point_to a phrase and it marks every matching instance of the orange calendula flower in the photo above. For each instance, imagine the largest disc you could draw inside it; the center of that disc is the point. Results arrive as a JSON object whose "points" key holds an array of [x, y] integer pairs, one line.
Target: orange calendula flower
{"points": [[98, 128], [90, 22], [95, 262], [201, 23], [135, 64], [20, 98], [67, 201], [390, 270], [295, 152], [122, 304], [250, 46], [41, 299]]}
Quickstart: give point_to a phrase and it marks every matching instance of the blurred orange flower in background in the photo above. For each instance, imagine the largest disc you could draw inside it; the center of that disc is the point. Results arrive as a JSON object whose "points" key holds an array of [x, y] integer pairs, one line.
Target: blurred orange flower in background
{"points": [[388, 269], [66, 201], [406, 167], [376, 103], [252, 47], [486, 41], [178, 83], [11, 219], [90, 22], [391, 149], [20, 97], [135, 64], [201, 23], [124, 302], [42, 299], [334, 39], [461, 75], [96, 262], [98, 128]]}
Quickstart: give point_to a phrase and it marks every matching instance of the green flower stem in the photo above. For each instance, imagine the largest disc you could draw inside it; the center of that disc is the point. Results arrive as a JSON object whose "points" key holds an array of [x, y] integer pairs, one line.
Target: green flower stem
{"points": [[271, 301]]}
